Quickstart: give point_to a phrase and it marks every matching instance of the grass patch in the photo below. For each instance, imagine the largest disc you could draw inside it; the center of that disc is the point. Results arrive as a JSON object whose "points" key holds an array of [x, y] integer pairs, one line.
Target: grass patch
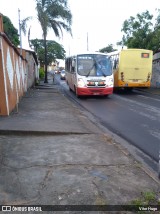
{"points": [[41, 73], [146, 199]]}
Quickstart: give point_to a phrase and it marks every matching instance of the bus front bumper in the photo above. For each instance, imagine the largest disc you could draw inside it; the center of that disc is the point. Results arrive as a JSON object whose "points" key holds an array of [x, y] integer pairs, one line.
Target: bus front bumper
{"points": [[94, 91]]}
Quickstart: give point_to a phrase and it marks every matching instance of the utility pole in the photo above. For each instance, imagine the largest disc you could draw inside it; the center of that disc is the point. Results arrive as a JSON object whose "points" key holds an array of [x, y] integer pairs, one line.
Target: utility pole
{"points": [[20, 35], [69, 49], [19, 21], [87, 42]]}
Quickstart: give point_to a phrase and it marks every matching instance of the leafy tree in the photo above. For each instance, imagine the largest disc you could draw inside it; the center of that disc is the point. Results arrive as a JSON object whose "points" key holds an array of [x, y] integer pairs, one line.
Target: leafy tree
{"points": [[23, 24], [56, 15], [107, 49], [156, 34], [139, 32], [54, 50], [11, 31]]}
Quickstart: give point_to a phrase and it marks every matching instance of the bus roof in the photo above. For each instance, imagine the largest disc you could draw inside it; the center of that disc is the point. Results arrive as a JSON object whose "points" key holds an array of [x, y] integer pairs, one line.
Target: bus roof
{"points": [[113, 53], [87, 52], [129, 49]]}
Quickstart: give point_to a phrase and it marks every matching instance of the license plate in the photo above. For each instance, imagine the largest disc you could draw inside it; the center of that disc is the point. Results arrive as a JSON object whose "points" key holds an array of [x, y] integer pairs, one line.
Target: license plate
{"points": [[96, 93]]}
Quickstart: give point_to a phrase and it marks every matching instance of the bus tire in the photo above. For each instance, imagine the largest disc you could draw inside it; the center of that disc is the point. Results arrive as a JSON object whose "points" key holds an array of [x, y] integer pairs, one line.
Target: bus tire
{"points": [[75, 89], [129, 89], [106, 95], [115, 89]]}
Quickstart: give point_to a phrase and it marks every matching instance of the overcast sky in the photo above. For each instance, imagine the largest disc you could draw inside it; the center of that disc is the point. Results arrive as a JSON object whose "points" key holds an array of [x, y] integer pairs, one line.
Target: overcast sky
{"points": [[101, 19]]}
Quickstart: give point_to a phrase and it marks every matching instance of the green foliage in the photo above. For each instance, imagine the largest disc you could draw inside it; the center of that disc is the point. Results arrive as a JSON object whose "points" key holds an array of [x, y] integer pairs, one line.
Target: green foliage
{"points": [[10, 31], [41, 73], [24, 24], [54, 50], [147, 198], [56, 15], [107, 49], [140, 32]]}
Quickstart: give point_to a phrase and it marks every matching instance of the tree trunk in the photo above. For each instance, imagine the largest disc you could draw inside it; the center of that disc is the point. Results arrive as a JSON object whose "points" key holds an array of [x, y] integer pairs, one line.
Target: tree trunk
{"points": [[45, 48]]}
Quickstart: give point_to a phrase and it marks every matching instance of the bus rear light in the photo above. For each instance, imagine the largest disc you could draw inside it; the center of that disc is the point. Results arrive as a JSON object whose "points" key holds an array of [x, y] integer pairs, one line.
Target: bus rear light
{"points": [[81, 83], [122, 76], [148, 77]]}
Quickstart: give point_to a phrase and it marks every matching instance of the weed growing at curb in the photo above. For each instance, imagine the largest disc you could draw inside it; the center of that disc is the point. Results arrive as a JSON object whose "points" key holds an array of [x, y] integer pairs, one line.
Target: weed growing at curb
{"points": [[147, 199]]}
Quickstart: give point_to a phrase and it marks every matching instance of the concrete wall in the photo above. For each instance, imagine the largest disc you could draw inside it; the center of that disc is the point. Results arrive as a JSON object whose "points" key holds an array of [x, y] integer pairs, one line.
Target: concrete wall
{"points": [[12, 76], [32, 69], [155, 82], [16, 74]]}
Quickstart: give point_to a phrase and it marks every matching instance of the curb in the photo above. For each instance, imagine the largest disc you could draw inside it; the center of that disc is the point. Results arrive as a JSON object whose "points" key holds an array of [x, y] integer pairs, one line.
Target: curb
{"points": [[39, 133]]}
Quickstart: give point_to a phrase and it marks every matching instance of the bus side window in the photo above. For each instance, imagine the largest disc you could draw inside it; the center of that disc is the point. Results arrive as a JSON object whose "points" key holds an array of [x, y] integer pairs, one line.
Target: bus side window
{"points": [[116, 62], [69, 65], [114, 65], [73, 64]]}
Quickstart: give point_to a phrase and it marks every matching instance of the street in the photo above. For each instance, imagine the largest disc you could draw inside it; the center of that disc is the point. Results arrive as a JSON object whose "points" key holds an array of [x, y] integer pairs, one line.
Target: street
{"points": [[134, 116]]}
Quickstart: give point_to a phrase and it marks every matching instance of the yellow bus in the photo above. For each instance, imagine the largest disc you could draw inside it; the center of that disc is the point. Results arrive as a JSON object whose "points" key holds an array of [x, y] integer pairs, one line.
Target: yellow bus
{"points": [[132, 68]]}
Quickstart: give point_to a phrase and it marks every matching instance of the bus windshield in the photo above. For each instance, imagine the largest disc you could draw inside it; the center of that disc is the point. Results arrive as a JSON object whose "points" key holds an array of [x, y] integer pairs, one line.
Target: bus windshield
{"points": [[94, 65]]}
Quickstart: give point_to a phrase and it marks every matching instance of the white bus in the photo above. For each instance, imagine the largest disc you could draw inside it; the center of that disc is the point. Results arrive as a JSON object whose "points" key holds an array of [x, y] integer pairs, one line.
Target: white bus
{"points": [[89, 74]]}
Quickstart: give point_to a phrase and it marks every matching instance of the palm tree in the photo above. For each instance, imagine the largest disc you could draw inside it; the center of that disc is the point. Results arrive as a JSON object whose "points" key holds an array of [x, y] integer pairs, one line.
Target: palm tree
{"points": [[53, 14]]}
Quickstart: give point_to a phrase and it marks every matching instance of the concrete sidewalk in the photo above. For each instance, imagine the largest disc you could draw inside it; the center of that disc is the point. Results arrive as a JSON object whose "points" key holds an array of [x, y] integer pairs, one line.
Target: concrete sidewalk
{"points": [[51, 154]]}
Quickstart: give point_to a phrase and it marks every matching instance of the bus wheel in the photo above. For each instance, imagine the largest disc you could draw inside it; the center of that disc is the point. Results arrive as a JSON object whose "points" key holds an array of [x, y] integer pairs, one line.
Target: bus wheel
{"points": [[75, 89], [115, 89], [106, 95], [129, 89]]}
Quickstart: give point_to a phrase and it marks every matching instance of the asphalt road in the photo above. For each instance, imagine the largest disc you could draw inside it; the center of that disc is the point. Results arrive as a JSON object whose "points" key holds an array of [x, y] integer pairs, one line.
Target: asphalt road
{"points": [[134, 116]]}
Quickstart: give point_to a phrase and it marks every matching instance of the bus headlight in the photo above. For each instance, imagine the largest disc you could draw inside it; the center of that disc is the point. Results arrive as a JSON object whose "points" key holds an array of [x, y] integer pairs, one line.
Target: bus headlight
{"points": [[122, 76], [81, 83], [109, 82]]}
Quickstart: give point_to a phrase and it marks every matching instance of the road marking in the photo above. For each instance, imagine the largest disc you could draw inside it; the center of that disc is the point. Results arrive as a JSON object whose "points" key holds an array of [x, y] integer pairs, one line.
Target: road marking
{"points": [[145, 97], [154, 112], [155, 133]]}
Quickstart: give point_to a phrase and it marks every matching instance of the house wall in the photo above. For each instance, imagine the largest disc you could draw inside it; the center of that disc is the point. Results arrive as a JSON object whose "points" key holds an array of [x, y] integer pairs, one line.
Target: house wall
{"points": [[31, 70], [17, 73], [12, 77]]}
